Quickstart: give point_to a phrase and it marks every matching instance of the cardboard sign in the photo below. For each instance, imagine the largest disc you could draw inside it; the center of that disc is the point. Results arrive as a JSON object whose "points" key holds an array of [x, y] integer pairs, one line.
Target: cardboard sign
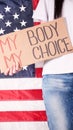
{"points": [[45, 41]]}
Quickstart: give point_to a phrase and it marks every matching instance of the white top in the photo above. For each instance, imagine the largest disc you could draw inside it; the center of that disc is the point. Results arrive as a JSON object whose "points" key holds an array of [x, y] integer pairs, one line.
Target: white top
{"points": [[45, 12]]}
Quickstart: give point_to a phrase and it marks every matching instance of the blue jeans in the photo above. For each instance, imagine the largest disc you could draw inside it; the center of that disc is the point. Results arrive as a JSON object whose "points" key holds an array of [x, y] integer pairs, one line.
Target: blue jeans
{"points": [[58, 98]]}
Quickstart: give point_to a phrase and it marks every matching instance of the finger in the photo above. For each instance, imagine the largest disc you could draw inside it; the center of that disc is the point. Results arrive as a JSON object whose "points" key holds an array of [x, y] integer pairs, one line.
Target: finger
{"points": [[6, 72], [17, 65], [11, 71], [14, 69]]}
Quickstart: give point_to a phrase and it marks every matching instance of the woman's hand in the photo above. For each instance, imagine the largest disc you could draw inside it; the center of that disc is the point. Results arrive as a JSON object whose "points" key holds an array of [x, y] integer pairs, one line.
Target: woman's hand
{"points": [[14, 69]]}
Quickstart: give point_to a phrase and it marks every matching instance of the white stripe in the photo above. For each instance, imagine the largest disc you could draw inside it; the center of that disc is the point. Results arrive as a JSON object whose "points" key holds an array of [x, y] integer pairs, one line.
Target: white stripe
{"points": [[20, 83], [23, 126], [35, 20], [22, 105], [39, 64]]}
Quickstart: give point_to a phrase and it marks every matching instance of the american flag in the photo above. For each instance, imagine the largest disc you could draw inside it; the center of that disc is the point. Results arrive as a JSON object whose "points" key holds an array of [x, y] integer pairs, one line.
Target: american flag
{"points": [[16, 15], [21, 102]]}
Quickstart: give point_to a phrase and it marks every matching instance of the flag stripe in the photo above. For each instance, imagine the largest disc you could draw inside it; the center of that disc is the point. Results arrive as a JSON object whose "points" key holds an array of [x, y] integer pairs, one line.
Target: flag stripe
{"points": [[38, 72], [24, 125], [22, 105], [21, 94], [20, 84], [36, 23], [35, 2], [22, 116]]}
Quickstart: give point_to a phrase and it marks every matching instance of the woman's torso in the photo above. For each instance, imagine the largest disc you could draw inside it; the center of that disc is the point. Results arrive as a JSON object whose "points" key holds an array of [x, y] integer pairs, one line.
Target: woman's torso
{"points": [[62, 64]]}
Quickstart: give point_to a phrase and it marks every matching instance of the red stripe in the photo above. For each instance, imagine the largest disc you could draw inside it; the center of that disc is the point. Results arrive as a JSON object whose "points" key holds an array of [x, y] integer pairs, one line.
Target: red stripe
{"points": [[36, 23], [35, 2], [38, 72], [21, 94], [23, 116]]}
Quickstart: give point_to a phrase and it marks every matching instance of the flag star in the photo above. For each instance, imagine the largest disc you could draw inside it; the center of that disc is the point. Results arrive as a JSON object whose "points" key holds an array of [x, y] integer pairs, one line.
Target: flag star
{"points": [[8, 23], [22, 8], [16, 16], [1, 16], [2, 31], [7, 9], [16, 29], [23, 23], [25, 67]]}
